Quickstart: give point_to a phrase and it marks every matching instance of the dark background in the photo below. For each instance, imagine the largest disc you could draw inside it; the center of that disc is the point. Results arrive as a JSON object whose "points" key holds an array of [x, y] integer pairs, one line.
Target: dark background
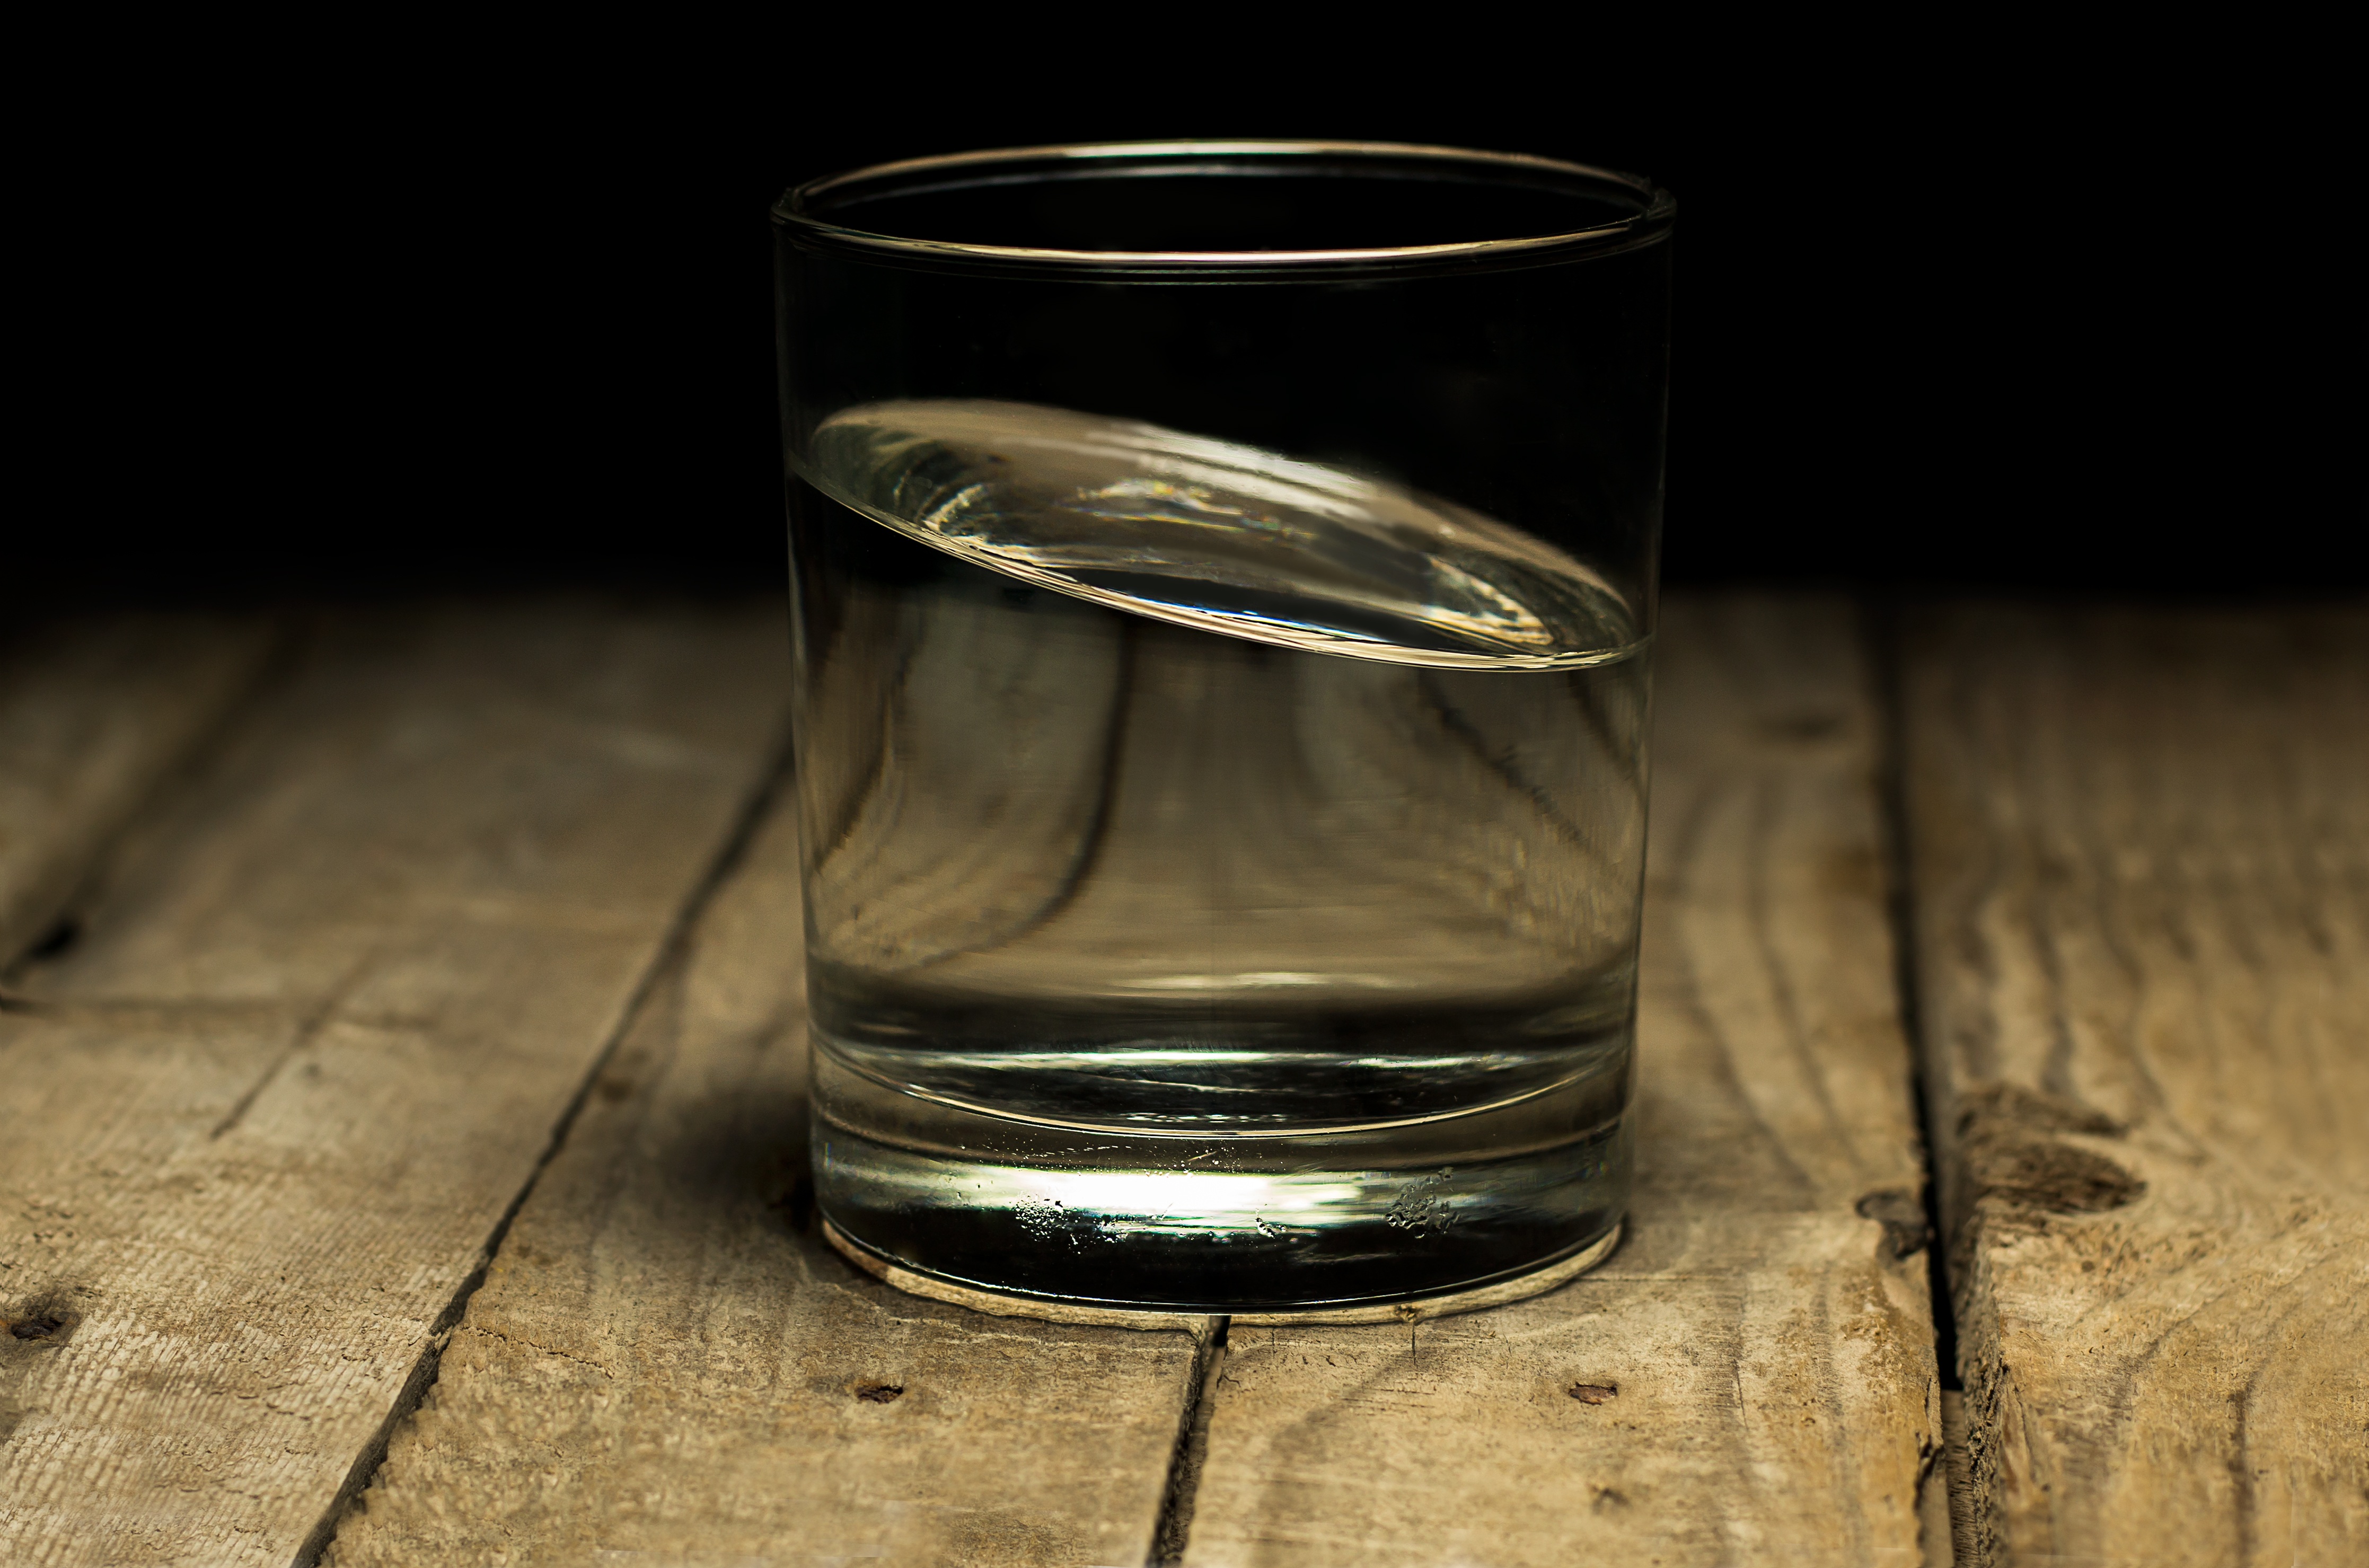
{"points": [[1978, 313]]}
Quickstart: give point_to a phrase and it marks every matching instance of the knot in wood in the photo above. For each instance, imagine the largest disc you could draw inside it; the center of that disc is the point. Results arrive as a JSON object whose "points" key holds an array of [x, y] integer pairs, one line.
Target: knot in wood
{"points": [[2006, 1145], [43, 1326]]}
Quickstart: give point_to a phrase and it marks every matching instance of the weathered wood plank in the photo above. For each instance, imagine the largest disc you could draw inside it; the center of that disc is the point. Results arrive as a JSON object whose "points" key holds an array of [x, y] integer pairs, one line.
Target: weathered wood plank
{"points": [[92, 712], [326, 1009], [1750, 1377], [666, 1361], [2141, 852]]}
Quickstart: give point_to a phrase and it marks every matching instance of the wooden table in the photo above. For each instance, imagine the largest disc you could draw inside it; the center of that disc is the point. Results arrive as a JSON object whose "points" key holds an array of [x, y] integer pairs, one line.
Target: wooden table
{"points": [[402, 1145]]}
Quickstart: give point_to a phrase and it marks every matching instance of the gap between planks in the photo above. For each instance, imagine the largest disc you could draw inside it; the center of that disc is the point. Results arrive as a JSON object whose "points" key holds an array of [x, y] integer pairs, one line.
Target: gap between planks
{"points": [[1951, 1540], [98, 718], [2142, 859], [760, 805]]}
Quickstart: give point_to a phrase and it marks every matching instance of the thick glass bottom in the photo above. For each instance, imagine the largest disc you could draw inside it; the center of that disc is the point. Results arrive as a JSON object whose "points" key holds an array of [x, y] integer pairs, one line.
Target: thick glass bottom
{"points": [[1320, 1220], [1549, 1276]]}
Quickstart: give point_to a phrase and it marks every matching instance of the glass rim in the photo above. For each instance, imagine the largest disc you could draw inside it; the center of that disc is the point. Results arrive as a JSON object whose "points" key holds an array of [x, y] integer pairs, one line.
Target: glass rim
{"points": [[795, 210]]}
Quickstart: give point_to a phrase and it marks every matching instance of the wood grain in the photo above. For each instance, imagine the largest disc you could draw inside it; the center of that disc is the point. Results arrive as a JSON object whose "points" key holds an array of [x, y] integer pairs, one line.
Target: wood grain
{"points": [[1750, 1377], [2141, 854], [666, 1364], [93, 712], [326, 1008]]}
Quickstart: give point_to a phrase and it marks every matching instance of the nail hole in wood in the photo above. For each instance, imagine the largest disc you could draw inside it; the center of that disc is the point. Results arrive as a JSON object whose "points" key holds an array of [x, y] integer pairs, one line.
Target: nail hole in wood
{"points": [[879, 1394], [1802, 727], [50, 1325], [57, 939], [1594, 1393]]}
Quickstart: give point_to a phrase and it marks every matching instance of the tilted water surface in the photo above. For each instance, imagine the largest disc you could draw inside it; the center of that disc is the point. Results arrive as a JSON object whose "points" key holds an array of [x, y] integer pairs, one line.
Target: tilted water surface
{"points": [[1217, 535]]}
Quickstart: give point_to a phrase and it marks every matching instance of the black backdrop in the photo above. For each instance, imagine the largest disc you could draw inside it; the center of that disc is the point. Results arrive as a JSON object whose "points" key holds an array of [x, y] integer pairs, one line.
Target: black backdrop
{"points": [[1952, 313]]}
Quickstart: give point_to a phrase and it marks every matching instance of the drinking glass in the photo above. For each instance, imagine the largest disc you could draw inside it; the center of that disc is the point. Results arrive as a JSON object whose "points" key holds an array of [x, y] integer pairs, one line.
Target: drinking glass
{"points": [[1223, 588]]}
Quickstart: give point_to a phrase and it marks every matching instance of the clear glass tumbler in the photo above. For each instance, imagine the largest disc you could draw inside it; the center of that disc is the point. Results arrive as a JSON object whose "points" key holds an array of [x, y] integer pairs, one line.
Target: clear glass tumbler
{"points": [[1224, 579]]}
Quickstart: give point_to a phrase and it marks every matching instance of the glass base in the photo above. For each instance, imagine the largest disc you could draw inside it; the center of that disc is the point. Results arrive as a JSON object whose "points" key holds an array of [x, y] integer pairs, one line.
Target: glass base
{"points": [[1305, 1224], [1011, 1304]]}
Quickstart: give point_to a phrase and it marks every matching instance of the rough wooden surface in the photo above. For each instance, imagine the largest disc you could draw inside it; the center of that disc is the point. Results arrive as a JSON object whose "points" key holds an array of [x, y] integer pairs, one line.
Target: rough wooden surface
{"points": [[666, 1364], [93, 714], [2141, 857], [326, 1009], [1750, 1377], [304, 1040]]}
